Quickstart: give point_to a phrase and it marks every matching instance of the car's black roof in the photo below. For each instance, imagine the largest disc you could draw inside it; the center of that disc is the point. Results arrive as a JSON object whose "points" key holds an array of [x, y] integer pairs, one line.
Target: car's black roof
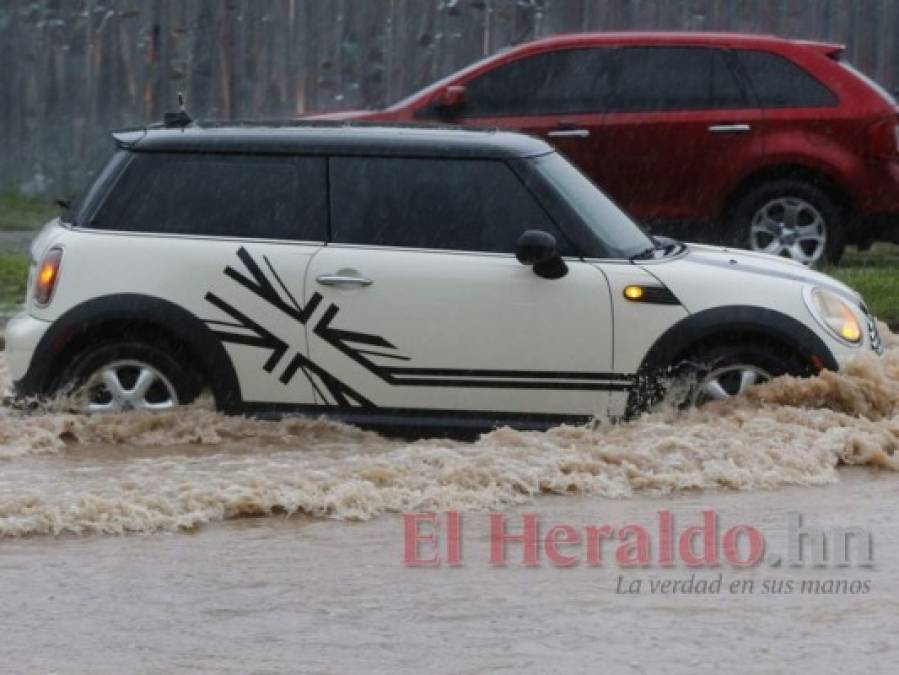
{"points": [[333, 138]]}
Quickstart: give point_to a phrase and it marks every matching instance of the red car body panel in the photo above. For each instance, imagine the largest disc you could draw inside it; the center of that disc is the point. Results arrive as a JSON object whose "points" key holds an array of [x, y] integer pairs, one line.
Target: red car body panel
{"points": [[667, 165]]}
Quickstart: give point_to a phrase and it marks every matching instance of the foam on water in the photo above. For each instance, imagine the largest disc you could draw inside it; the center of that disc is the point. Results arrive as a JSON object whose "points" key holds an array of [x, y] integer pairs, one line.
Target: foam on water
{"points": [[63, 473]]}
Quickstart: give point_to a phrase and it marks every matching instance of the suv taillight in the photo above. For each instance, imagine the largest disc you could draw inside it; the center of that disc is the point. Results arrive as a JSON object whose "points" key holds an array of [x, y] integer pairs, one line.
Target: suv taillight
{"points": [[883, 138], [46, 277]]}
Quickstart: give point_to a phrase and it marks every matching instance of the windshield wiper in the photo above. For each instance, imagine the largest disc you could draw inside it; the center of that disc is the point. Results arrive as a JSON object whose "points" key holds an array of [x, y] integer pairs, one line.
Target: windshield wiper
{"points": [[645, 254], [662, 247]]}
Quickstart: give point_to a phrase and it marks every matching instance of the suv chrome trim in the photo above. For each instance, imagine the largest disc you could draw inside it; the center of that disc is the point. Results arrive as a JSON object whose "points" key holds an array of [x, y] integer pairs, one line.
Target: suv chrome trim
{"points": [[730, 128]]}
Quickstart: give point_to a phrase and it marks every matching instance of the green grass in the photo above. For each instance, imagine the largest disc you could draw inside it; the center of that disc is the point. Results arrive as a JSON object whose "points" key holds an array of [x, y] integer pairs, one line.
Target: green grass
{"points": [[874, 274], [13, 278], [18, 212]]}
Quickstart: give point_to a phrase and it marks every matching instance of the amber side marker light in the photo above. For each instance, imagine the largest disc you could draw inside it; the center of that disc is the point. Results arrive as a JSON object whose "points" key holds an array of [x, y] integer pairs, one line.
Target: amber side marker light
{"points": [[634, 292], [47, 276]]}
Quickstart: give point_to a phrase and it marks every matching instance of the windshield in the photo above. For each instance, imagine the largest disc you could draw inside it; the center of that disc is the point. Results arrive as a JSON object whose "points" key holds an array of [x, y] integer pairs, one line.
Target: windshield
{"points": [[619, 235]]}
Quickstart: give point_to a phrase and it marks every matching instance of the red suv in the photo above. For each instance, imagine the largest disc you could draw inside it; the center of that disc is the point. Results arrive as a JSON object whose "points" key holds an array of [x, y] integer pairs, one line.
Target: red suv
{"points": [[770, 144]]}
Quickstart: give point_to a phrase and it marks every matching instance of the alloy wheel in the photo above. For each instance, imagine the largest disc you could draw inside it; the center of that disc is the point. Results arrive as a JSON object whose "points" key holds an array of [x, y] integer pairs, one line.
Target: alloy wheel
{"points": [[128, 385], [726, 382], [789, 227]]}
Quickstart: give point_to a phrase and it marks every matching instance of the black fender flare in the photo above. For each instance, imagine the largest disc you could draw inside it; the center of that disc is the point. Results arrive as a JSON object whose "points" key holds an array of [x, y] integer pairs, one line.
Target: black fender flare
{"points": [[745, 319], [662, 358], [124, 308]]}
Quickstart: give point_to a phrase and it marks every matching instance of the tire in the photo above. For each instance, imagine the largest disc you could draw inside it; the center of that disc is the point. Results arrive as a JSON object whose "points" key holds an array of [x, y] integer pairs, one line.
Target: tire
{"points": [[167, 382], [722, 371], [789, 217]]}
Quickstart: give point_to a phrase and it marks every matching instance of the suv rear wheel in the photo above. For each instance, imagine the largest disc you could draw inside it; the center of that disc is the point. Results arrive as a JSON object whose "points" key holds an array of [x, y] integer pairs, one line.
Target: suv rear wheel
{"points": [[790, 218], [120, 377]]}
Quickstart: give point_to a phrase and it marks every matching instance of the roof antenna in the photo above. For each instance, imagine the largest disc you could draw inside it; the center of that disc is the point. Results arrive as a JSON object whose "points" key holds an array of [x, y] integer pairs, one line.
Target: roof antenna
{"points": [[177, 120]]}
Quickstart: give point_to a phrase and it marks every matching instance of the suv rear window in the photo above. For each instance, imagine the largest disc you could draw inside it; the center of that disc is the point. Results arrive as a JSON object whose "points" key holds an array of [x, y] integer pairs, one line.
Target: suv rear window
{"points": [[674, 78], [452, 204], [780, 83], [262, 197]]}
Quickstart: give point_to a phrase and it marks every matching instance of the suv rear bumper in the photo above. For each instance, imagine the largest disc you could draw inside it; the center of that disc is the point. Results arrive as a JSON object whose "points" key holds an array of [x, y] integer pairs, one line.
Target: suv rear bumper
{"points": [[23, 334], [877, 187]]}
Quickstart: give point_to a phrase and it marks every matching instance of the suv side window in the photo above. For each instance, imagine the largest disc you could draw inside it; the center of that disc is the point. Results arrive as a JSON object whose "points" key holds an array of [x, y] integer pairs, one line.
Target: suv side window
{"points": [[219, 195], [674, 78], [568, 81], [780, 83], [451, 204]]}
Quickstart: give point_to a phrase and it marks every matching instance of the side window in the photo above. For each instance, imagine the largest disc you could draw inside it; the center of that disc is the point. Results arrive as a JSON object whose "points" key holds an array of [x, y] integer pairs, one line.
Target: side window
{"points": [[568, 81], [452, 204], [674, 78], [220, 195], [780, 83]]}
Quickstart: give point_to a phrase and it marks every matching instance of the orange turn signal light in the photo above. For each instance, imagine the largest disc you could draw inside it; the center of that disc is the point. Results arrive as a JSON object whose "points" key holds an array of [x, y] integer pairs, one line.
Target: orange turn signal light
{"points": [[634, 292], [47, 275]]}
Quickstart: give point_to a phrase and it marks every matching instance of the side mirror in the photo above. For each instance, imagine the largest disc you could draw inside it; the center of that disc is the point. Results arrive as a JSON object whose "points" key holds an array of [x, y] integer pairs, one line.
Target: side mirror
{"points": [[538, 249], [450, 101]]}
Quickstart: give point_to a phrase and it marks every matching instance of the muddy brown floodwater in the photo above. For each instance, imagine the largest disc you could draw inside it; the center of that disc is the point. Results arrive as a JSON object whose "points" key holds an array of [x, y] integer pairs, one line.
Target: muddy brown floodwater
{"points": [[197, 542]]}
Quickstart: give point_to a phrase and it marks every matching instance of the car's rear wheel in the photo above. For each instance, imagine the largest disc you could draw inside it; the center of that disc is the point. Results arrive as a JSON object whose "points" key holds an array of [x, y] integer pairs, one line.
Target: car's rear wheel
{"points": [[793, 219], [127, 376]]}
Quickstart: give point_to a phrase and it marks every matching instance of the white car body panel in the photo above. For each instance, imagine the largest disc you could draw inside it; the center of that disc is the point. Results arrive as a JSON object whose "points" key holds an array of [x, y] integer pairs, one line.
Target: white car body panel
{"points": [[487, 333], [637, 325], [707, 277], [466, 314], [184, 270]]}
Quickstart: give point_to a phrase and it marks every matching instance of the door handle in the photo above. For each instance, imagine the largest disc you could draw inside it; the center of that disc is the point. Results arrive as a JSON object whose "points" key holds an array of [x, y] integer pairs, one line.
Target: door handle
{"points": [[730, 128], [343, 280], [569, 133]]}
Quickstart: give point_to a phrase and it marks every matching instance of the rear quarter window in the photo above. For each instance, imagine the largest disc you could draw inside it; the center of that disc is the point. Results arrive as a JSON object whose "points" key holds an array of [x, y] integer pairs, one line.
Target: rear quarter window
{"points": [[779, 83], [243, 196]]}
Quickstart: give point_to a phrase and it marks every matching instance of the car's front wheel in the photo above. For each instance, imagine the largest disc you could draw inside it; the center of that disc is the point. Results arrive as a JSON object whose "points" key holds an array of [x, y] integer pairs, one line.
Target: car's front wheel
{"points": [[127, 376], [790, 218], [721, 372]]}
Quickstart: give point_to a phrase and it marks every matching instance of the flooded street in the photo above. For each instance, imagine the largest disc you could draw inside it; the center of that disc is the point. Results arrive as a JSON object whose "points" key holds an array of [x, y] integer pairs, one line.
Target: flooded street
{"points": [[195, 542]]}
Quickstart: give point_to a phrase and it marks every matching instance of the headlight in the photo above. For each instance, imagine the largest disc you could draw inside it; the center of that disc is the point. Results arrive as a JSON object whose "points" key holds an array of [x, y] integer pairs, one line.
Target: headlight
{"points": [[835, 314]]}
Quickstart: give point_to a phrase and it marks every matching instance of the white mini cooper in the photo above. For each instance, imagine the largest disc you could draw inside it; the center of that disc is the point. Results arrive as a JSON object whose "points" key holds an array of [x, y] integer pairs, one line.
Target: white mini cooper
{"points": [[397, 277]]}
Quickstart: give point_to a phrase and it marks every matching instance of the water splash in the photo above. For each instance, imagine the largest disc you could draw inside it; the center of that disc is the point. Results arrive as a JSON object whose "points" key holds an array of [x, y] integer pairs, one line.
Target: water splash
{"points": [[139, 472]]}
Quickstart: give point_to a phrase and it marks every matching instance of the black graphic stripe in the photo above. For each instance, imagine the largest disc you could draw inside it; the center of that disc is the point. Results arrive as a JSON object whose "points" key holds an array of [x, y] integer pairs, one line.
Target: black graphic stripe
{"points": [[511, 374], [261, 286], [359, 346], [517, 384], [314, 385], [284, 288], [343, 394], [382, 354], [338, 338], [263, 338]]}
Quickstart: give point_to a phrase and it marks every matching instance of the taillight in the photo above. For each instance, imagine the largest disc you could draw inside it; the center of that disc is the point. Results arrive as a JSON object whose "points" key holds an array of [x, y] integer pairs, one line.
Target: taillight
{"points": [[46, 277], [883, 138]]}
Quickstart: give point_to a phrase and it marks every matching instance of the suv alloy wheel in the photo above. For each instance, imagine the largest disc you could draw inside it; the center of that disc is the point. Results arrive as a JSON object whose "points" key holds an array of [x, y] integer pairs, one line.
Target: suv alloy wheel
{"points": [[792, 219]]}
